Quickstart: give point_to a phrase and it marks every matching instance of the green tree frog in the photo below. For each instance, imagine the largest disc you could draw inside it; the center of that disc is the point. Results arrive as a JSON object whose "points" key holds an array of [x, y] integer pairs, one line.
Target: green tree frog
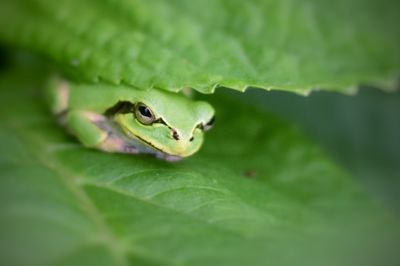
{"points": [[127, 120]]}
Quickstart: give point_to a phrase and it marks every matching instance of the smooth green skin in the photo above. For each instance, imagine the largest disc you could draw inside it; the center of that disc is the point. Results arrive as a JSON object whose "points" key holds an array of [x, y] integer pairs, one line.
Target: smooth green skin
{"points": [[82, 108]]}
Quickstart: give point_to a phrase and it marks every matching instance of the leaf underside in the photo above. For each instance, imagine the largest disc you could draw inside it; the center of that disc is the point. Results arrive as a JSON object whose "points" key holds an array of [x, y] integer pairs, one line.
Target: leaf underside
{"points": [[258, 193], [288, 45]]}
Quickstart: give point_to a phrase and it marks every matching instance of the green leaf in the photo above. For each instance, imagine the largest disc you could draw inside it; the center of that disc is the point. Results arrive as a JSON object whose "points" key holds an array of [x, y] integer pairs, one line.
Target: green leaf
{"points": [[287, 45], [258, 193], [360, 132]]}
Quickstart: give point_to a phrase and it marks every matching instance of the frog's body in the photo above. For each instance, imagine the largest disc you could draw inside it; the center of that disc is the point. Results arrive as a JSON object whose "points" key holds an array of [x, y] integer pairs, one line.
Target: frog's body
{"points": [[110, 118]]}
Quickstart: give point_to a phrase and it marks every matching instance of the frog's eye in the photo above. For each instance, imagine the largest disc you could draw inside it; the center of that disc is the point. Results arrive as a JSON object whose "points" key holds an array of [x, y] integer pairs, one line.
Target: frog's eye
{"points": [[144, 114]]}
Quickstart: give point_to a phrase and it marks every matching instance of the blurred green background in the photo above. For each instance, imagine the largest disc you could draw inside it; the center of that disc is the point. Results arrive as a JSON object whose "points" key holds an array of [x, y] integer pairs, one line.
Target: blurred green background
{"points": [[361, 132]]}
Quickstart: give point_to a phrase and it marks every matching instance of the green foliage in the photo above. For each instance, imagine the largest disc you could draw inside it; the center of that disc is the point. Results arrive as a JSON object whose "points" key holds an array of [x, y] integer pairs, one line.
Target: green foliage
{"points": [[360, 132], [274, 44], [258, 193]]}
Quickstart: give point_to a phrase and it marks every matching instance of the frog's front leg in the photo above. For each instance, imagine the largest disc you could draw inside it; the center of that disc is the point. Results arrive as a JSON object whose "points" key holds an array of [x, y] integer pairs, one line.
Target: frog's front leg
{"points": [[93, 130]]}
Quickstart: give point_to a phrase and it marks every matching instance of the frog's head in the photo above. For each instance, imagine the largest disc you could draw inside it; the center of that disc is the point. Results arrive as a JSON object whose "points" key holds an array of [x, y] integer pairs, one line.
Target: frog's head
{"points": [[167, 124]]}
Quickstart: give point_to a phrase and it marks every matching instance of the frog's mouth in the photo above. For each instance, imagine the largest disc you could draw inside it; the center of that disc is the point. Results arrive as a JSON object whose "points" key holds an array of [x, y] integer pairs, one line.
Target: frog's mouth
{"points": [[131, 143], [149, 148]]}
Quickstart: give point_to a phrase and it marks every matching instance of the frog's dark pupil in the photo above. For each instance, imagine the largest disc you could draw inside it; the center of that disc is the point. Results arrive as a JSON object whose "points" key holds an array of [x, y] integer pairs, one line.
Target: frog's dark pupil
{"points": [[145, 111]]}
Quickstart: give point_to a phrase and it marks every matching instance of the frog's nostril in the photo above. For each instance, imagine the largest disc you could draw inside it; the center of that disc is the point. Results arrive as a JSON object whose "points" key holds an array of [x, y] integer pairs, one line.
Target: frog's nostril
{"points": [[191, 139], [175, 135]]}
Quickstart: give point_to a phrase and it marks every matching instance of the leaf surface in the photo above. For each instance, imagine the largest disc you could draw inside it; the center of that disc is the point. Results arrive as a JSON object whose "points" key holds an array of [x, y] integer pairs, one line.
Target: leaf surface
{"points": [[287, 45], [258, 193]]}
